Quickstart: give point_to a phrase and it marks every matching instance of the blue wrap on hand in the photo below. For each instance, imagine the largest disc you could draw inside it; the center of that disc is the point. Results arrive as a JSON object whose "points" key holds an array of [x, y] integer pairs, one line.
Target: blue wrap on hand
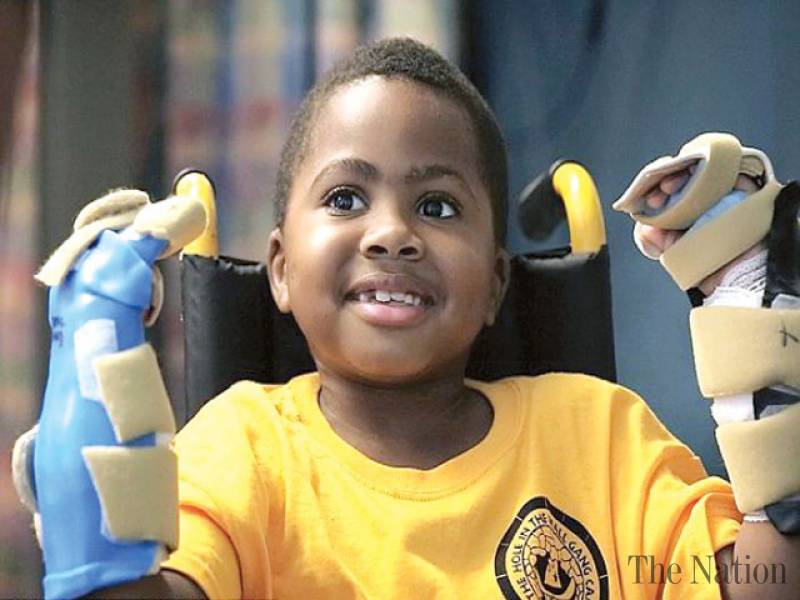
{"points": [[96, 310]]}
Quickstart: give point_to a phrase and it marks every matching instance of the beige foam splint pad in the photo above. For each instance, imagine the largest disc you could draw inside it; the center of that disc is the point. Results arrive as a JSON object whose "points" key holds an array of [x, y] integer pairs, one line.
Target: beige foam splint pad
{"points": [[21, 459], [720, 157], [739, 350], [116, 202], [133, 393], [762, 458], [700, 252], [115, 210], [138, 491], [177, 219]]}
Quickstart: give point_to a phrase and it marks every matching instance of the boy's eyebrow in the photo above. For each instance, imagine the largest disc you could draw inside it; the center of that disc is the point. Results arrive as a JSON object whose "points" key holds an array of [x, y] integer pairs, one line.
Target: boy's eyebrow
{"points": [[428, 172], [368, 171], [356, 166]]}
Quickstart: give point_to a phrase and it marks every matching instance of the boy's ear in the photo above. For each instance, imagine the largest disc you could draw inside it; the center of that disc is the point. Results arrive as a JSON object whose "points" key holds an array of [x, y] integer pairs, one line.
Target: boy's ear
{"points": [[276, 271], [500, 279]]}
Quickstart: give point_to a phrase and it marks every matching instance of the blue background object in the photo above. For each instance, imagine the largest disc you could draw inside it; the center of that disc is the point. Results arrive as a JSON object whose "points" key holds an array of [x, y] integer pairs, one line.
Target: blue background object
{"points": [[615, 84]]}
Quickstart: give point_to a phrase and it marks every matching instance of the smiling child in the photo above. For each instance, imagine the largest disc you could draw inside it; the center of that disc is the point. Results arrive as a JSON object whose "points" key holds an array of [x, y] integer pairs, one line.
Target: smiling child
{"points": [[386, 474]]}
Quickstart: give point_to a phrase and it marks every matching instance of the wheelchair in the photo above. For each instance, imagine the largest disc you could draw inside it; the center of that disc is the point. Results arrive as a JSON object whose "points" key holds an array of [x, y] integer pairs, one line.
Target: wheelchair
{"points": [[556, 315]]}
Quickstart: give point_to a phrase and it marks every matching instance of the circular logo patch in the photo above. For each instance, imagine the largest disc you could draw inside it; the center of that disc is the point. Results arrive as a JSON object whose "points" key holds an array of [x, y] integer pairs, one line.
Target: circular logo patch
{"points": [[548, 555]]}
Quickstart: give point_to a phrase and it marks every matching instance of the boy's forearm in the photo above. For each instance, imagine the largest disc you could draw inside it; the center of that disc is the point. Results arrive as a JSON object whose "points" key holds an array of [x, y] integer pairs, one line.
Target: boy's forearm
{"points": [[763, 564], [167, 585]]}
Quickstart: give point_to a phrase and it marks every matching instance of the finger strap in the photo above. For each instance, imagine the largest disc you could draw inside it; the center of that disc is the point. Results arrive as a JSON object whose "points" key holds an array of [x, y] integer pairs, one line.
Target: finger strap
{"points": [[761, 458], [740, 350], [703, 250], [138, 492], [133, 392], [718, 157], [115, 210]]}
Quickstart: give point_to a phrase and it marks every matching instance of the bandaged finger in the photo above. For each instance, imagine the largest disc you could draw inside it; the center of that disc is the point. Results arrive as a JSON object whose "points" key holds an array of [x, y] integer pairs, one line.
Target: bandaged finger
{"points": [[642, 237]]}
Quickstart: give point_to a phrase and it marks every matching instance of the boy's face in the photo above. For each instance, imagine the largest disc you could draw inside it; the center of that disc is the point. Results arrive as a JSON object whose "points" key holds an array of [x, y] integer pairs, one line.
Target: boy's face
{"points": [[388, 203]]}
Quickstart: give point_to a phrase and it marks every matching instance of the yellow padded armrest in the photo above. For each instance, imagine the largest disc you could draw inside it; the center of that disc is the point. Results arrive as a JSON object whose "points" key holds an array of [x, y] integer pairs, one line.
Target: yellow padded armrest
{"points": [[587, 231], [195, 184]]}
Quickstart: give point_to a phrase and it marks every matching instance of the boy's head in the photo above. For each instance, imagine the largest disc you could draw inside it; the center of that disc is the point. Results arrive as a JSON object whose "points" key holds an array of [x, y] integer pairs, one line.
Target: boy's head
{"points": [[388, 251], [405, 59]]}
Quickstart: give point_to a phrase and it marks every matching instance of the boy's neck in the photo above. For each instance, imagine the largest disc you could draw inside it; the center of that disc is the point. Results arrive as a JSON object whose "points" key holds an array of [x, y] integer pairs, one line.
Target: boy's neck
{"points": [[418, 425]]}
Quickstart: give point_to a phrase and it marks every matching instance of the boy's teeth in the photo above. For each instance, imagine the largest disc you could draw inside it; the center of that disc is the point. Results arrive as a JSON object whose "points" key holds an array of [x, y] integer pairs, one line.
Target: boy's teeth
{"points": [[385, 297]]}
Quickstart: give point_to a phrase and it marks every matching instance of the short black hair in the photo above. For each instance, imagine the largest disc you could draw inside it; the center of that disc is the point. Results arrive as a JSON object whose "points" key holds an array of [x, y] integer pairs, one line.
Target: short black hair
{"points": [[408, 59]]}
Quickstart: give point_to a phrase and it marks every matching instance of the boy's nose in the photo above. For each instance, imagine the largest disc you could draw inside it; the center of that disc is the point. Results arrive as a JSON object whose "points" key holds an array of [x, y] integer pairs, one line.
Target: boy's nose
{"points": [[392, 240]]}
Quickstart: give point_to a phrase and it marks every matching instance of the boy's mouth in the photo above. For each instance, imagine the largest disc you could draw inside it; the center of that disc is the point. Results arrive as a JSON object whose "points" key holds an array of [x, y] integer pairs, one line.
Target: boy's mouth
{"points": [[391, 288], [387, 297], [390, 300]]}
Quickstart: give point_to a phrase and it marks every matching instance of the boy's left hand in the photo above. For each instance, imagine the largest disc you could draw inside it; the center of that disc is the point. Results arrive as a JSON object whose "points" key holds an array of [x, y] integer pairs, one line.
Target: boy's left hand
{"points": [[653, 241]]}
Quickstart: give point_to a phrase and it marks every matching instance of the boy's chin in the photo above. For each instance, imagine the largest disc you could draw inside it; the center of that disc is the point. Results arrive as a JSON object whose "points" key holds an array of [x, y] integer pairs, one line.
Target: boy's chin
{"points": [[398, 371]]}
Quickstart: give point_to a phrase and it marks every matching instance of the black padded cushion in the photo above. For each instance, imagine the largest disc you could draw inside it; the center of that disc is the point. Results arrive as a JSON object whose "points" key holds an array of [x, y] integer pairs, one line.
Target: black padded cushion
{"points": [[556, 317]]}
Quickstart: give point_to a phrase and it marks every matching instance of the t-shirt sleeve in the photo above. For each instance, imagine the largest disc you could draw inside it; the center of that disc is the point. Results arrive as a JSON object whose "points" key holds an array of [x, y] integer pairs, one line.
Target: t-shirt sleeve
{"points": [[215, 569], [224, 507], [670, 516]]}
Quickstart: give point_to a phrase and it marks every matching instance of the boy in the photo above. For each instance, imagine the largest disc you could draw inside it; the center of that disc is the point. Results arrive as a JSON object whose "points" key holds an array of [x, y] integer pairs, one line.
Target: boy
{"points": [[386, 474]]}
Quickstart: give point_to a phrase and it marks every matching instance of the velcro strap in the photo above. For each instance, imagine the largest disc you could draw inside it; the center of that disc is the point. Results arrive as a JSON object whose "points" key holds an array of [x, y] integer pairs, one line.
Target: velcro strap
{"points": [[115, 210], [761, 458], [177, 219], [739, 350], [138, 492], [700, 252], [116, 202], [719, 156], [133, 393]]}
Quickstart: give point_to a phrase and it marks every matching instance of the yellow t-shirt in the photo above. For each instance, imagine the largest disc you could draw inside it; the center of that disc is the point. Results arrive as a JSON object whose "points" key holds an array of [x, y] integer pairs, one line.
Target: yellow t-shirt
{"points": [[576, 492]]}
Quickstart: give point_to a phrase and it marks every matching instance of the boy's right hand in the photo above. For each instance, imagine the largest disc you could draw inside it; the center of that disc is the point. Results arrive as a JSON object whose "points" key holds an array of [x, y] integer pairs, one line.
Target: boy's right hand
{"points": [[99, 471]]}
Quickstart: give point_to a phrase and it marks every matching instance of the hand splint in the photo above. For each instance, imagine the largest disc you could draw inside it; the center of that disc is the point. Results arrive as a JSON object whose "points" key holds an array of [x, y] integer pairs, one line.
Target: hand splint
{"points": [[740, 350], [138, 492], [761, 458], [99, 470], [747, 350], [746, 339], [718, 159]]}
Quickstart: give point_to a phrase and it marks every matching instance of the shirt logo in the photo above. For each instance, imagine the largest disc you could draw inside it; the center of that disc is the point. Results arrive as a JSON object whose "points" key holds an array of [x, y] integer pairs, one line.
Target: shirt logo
{"points": [[548, 555]]}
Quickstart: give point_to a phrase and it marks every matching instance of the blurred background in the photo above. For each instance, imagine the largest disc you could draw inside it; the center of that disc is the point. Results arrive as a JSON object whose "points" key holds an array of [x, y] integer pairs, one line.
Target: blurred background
{"points": [[96, 94]]}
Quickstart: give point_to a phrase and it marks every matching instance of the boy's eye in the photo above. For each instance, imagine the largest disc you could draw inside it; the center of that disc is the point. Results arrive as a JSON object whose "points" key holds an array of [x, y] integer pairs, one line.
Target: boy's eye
{"points": [[438, 206], [345, 200]]}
